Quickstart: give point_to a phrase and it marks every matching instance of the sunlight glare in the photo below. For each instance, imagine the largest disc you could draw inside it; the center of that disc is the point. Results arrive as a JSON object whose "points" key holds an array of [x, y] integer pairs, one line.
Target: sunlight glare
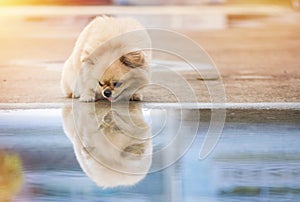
{"points": [[17, 2]]}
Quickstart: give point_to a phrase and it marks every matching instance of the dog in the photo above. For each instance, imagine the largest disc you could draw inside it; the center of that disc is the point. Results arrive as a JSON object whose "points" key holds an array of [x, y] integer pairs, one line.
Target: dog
{"points": [[113, 146], [110, 60]]}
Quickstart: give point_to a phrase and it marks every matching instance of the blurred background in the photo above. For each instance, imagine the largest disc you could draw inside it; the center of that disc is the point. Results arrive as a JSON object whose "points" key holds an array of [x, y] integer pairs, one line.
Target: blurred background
{"points": [[146, 2]]}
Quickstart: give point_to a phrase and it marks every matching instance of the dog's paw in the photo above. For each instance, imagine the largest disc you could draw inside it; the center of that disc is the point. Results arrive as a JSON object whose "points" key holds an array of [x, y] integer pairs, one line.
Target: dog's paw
{"points": [[136, 97], [76, 96], [87, 98]]}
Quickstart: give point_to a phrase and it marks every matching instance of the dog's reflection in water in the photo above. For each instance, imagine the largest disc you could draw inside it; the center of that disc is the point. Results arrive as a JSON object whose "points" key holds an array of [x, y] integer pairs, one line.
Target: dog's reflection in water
{"points": [[112, 143]]}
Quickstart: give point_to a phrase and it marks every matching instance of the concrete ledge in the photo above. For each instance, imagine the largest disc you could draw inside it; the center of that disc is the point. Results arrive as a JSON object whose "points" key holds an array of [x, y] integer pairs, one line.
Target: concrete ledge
{"points": [[258, 106]]}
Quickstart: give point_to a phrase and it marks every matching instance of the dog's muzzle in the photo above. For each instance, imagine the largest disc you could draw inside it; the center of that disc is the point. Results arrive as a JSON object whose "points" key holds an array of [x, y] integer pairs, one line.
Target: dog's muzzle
{"points": [[107, 93]]}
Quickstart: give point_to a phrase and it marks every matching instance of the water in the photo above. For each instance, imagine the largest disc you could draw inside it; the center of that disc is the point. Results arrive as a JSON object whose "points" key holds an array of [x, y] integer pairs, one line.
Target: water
{"points": [[88, 152]]}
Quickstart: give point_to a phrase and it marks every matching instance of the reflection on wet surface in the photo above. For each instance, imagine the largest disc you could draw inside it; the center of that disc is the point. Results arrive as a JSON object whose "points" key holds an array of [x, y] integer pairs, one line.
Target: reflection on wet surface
{"points": [[88, 152], [112, 146]]}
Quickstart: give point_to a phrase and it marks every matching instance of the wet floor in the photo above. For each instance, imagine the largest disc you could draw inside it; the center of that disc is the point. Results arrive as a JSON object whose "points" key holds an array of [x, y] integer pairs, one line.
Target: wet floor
{"points": [[88, 152]]}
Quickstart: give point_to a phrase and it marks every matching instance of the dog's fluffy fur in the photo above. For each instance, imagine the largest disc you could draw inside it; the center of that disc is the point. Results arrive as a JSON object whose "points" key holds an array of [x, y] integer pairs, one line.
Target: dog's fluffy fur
{"points": [[108, 61], [113, 147]]}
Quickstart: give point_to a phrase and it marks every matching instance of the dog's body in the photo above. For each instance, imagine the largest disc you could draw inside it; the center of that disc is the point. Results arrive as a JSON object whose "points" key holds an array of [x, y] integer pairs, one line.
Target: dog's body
{"points": [[108, 61]]}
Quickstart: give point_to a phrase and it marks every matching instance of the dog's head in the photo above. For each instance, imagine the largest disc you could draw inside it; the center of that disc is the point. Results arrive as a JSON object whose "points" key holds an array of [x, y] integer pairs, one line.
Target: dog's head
{"points": [[124, 76]]}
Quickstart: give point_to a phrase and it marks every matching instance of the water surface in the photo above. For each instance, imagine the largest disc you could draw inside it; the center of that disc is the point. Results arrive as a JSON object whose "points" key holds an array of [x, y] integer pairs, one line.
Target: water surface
{"points": [[149, 154]]}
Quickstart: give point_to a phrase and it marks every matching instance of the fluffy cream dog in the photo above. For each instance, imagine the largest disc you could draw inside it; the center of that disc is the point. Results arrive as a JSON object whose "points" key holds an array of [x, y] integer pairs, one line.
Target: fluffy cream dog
{"points": [[113, 147], [109, 61]]}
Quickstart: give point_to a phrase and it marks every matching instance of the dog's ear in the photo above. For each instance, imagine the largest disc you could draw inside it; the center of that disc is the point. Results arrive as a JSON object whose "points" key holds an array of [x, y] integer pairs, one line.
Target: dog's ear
{"points": [[133, 59]]}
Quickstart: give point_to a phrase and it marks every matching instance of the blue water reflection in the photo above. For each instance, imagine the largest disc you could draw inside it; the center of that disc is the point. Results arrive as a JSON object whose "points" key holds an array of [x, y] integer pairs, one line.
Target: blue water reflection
{"points": [[256, 159]]}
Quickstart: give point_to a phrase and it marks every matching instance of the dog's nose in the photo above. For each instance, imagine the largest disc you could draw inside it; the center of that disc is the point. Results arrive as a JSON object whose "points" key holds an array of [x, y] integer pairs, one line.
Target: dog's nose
{"points": [[107, 93]]}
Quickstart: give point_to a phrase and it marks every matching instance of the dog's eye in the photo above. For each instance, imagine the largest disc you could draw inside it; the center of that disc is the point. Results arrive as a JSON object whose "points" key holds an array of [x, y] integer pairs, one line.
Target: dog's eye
{"points": [[117, 84], [100, 84]]}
